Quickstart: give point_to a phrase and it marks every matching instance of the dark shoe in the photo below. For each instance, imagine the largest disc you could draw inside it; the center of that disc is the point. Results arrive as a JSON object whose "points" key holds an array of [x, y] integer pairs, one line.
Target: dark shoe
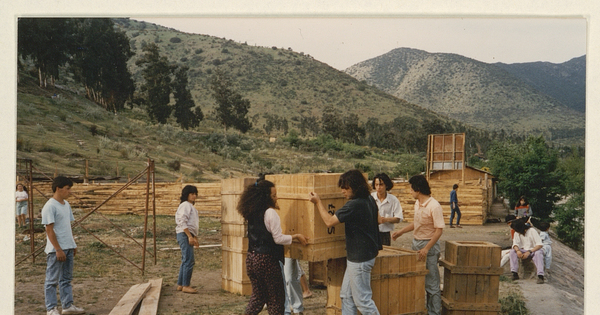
{"points": [[515, 276], [540, 280], [459, 226], [452, 226]]}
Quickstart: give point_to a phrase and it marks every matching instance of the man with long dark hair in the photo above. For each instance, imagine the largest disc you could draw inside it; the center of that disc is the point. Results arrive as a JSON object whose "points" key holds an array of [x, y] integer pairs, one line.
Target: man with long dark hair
{"points": [[360, 216], [428, 226]]}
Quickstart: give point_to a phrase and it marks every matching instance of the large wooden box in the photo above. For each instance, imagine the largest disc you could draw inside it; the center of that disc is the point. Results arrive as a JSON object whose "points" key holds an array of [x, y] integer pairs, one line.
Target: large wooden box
{"points": [[234, 232], [471, 278], [299, 215], [397, 281]]}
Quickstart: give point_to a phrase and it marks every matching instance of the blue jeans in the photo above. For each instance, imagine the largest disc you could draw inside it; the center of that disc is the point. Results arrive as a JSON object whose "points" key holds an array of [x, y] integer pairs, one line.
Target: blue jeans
{"points": [[457, 211], [356, 290], [187, 260], [432, 279], [293, 288], [59, 273]]}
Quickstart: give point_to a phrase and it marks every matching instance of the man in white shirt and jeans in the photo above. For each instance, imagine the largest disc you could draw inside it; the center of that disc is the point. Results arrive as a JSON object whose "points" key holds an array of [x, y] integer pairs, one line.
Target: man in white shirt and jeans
{"points": [[526, 244]]}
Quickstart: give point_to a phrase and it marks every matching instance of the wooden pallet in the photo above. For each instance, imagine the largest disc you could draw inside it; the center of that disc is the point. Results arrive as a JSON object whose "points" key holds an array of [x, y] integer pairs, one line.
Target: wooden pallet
{"points": [[147, 293]]}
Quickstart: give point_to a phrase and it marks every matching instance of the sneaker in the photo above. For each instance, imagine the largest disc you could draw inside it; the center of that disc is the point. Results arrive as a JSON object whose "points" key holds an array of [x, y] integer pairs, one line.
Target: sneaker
{"points": [[53, 311], [73, 310], [540, 280], [459, 226], [515, 276]]}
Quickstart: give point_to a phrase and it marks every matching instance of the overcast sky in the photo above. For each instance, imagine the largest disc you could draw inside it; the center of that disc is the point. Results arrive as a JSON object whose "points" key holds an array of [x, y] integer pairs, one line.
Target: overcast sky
{"points": [[343, 42]]}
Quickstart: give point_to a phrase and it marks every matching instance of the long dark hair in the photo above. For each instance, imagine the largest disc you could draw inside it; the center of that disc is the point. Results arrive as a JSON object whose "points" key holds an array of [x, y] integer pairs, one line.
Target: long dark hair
{"points": [[355, 180], [526, 203], [24, 187], [385, 179], [256, 198], [186, 191]]}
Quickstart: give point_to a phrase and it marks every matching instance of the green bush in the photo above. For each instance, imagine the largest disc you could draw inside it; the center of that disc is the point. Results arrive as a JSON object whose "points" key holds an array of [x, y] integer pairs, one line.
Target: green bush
{"points": [[513, 304], [571, 218]]}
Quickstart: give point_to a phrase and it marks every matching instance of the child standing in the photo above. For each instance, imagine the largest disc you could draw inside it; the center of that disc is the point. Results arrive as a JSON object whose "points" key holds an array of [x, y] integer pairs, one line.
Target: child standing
{"points": [[546, 241], [60, 249]]}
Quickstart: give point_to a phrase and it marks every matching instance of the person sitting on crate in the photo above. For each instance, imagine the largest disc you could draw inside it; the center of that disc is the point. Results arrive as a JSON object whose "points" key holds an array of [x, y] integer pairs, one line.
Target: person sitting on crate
{"points": [[361, 217], [527, 244], [428, 227]]}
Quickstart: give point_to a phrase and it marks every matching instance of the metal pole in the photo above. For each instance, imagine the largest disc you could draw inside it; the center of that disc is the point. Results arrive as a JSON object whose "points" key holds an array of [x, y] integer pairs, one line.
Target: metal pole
{"points": [[146, 216], [30, 207], [154, 208]]}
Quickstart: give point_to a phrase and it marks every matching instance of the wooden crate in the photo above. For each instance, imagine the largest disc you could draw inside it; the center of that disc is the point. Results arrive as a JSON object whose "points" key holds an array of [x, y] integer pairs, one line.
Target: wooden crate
{"points": [[471, 278], [397, 281], [234, 232], [299, 215]]}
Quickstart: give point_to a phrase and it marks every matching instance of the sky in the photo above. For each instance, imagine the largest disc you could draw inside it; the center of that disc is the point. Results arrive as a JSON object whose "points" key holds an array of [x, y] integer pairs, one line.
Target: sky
{"points": [[476, 33], [343, 42]]}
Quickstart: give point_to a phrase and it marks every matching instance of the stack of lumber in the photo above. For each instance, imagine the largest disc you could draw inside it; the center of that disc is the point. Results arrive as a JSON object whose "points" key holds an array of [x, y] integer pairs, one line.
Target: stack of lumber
{"points": [[474, 200], [133, 199], [147, 293]]}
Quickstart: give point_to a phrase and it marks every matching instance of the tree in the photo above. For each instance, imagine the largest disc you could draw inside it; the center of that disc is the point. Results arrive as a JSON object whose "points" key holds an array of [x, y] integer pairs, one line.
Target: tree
{"points": [[48, 42], [529, 169], [331, 123], [571, 221], [352, 132], [184, 102], [100, 63], [157, 85], [232, 109]]}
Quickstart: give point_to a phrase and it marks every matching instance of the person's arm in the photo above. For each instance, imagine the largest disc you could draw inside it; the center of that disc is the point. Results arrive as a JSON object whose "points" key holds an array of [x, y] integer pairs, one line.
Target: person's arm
{"points": [[273, 225], [329, 219], [192, 240], [399, 233], [422, 253], [60, 254], [390, 220]]}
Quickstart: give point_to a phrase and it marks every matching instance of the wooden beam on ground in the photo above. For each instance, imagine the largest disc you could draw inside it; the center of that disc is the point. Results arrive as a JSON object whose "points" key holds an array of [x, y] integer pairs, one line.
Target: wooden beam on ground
{"points": [[201, 246], [130, 300], [150, 302]]}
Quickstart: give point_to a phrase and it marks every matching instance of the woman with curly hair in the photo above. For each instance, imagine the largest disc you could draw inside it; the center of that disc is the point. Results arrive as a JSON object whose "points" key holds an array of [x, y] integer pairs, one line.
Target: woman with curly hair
{"points": [[265, 258], [186, 218]]}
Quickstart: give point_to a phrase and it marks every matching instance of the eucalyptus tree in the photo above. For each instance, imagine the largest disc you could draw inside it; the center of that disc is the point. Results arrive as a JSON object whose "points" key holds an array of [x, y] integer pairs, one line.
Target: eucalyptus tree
{"points": [[184, 103], [232, 109], [157, 83], [100, 63], [48, 42]]}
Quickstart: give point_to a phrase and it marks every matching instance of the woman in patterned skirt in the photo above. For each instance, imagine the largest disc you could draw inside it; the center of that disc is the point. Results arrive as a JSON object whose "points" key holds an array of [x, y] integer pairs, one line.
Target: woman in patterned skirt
{"points": [[265, 247]]}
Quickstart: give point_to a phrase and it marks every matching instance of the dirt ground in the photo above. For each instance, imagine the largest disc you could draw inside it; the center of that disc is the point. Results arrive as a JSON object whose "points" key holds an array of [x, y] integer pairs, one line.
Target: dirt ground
{"points": [[101, 278]]}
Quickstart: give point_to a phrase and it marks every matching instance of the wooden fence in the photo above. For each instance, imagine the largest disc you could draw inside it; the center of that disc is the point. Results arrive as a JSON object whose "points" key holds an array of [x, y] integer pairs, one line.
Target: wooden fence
{"points": [[475, 198], [133, 199]]}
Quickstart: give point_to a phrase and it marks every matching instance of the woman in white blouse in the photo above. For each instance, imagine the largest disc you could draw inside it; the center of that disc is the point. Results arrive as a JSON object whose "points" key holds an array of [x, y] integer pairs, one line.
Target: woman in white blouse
{"points": [[186, 218]]}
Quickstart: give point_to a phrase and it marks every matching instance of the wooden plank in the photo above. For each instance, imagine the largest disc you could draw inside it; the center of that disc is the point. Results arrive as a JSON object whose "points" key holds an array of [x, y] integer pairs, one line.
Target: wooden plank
{"points": [[150, 302], [130, 300]]}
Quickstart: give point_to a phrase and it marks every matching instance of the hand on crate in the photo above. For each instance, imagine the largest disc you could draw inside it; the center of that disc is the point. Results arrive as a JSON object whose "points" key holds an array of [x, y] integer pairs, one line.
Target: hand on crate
{"points": [[314, 198], [300, 238]]}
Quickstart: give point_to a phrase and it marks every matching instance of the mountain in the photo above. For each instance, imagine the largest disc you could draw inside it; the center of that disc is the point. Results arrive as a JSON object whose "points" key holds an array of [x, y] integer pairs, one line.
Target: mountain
{"points": [[487, 96], [277, 81], [564, 81]]}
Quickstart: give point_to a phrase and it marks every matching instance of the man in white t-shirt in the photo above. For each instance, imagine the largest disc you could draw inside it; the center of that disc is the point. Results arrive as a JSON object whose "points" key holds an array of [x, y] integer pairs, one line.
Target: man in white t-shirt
{"points": [[60, 248]]}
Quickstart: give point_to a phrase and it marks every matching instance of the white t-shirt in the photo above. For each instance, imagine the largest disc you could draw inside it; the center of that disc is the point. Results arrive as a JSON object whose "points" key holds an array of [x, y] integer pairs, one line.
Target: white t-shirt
{"points": [[388, 208], [61, 215], [21, 195], [528, 241]]}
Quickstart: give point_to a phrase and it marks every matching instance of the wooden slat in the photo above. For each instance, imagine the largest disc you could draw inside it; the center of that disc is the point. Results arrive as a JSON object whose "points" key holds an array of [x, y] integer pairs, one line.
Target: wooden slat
{"points": [[150, 302], [130, 300]]}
